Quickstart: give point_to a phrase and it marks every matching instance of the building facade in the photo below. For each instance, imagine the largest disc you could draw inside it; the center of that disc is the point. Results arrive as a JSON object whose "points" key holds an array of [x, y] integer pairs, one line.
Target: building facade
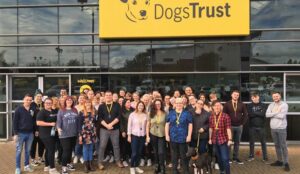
{"points": [[50, 44]]}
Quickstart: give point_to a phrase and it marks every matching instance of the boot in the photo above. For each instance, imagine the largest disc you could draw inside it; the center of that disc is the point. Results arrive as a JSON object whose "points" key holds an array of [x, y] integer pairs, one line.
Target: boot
{"points": [[91, 168], [157, 168], [86, 167]]}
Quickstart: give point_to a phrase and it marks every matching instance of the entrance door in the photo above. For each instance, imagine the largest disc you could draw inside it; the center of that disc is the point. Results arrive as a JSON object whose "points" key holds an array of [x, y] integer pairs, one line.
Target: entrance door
{"points": [[53, 84]]}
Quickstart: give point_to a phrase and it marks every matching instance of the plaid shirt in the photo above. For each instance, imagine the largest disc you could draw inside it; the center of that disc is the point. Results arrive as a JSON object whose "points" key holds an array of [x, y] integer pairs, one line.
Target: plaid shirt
{"points": [[224, 124]]}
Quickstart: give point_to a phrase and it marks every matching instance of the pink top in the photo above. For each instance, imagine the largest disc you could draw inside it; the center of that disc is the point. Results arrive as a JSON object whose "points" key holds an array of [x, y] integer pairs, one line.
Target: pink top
{"points": [[137, 124]]}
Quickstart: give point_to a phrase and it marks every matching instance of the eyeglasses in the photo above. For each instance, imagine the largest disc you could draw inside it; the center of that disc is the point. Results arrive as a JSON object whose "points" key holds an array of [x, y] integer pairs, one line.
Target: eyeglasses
{"points": [[48, 103]]}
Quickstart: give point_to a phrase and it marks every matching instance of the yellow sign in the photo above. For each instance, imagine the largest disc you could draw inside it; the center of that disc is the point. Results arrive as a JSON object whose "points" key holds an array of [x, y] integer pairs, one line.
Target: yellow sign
{"points": [[173, 18]]}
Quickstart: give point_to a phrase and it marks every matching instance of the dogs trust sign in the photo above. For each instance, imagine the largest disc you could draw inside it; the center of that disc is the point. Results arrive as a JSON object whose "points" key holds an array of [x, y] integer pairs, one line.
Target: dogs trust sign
{"points": [[173, 18]]}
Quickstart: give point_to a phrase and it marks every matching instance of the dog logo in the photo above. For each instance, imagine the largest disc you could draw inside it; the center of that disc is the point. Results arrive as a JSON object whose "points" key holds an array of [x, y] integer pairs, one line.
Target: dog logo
{"points": [[136, 9]]}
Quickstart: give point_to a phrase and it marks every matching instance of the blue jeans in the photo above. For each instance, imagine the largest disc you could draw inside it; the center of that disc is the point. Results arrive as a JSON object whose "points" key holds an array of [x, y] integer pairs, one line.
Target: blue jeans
{"points": [[222, 152], [137, 145], [202, 145], [23, 138], [236, 137], [88, 151], [78, 149]]}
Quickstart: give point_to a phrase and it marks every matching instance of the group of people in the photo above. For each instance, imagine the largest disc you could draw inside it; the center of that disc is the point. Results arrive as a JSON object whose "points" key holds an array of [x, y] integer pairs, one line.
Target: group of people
{"points": [[143, 128]]}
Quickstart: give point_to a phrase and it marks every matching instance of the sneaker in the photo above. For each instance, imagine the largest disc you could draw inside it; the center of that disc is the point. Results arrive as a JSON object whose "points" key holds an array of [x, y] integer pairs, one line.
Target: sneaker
{"points": [[28, 169], [70, 167], [53, 171], [142, 163], [46, 169], [75, 160], [56, 155], [217, 167], [250, 159], [170, 165], [111, 160], [179, 166], [101, 166], [231, 161], [277, 164], [149, 162], [64, 170], [106, 158], [239, 161], [18, 171], [125, 164], [34, 163], [81, 160], [138, 170], [119, 164], [287, 167]]}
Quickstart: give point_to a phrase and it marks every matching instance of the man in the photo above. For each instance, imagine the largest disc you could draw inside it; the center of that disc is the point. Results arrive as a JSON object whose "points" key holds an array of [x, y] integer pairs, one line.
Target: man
{"points": [[277, 111], [188, 91], [109, 117], [122, 93], [23, 133], [63, 92], [257, 120], [192, 103], [238, 115]]}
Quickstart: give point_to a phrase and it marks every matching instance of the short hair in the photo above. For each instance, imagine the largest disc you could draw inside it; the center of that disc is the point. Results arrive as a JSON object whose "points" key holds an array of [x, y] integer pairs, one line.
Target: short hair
{"points": [[215, 102], [276, 92], [254, 94], [237, 91], [27, 95], [108, 91]]}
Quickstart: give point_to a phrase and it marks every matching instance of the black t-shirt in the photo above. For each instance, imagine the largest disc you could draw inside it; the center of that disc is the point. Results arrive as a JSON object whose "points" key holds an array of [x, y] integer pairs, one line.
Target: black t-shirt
{"points": [[49, 117]]}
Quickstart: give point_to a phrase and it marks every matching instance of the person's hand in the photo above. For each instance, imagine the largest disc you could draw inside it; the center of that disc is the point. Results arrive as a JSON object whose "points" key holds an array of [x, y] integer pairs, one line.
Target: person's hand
{"points": [[147, 139], [36, 133], [53, 124], [209, 142], [109, 127], [129, 139], [124, 134], [201, 130], [80, 140], [229, 142], [188, 139], [168, 138], [16, 137], [59, 132]]}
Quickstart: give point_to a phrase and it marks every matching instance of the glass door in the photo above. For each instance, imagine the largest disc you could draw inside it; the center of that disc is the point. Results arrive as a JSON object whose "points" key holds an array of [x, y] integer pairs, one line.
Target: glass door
{"points": [[53, 84]]}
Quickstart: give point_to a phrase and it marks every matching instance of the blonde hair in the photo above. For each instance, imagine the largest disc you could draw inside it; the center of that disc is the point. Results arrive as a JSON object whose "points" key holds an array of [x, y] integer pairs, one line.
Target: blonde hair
{"points": [[57, 102]]}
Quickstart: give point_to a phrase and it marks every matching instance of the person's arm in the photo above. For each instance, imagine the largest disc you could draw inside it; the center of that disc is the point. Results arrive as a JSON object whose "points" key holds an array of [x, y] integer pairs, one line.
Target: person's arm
{"points": [[16, 122], [129, 128], [59, 121], [206, 123], [245, 114], [117, 119], [282, 112], [190, 130], [228, 129], [229, 137], [148, 127], [167, 127], [40, 120], [269, 111]]}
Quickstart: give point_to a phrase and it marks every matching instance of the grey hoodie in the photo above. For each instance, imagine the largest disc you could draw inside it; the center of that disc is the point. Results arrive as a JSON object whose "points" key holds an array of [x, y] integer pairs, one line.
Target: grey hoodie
{"points": [[277, 112], [68, 121]]}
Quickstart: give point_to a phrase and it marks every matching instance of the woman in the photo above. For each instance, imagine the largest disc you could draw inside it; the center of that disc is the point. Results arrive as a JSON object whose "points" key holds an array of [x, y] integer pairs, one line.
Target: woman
{"points": [[200, 127], [136, 99], [46, 121], [220, 135], [178, 129], [136, 131], [156, 132], [167, 104], [87, 135], [120, 101], [68, 127], [206, 105], [125, 146]]}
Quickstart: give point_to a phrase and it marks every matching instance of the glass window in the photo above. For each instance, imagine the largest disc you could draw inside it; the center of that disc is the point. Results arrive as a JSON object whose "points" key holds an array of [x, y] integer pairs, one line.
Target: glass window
{"points": [[77, 39], [294, 107], [293, 88], [79, 56], [8, 56], [275, 14], [261, 83], [3, 125], [78, 1], [22, 86], [53, 85], [218, 57], [38, 20], [36, 2], [274, 35], [132, 58], [8, 18], [170, 58], [275, 53], [104, 57], [2, 107], [38, 56], [38, 40], [2, 88], [94, 81], [78, 20]]}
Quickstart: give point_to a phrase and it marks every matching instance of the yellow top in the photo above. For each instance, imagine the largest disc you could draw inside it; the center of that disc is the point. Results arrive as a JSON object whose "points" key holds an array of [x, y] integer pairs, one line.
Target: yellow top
{"points": [[157, 125]]}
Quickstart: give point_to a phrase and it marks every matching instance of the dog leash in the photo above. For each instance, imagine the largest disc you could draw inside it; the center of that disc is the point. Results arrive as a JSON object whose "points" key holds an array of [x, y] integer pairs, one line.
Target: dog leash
{"points": [[198, 142]]}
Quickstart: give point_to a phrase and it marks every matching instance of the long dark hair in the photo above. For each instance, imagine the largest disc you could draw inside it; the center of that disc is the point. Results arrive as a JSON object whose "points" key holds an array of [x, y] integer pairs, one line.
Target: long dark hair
{"points": [[153, 110], [124, 107]]}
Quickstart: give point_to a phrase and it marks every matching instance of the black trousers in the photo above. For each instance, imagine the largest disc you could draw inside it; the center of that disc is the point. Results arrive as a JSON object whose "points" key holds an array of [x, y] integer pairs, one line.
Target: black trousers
{"points": [[181, 149], [58, 147], [50, 151], [159, 148], [125, 148], [68, 144], [37, 141]]}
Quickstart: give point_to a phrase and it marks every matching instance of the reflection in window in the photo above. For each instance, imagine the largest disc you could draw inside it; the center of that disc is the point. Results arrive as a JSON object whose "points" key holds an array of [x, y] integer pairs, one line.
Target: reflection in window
{"points": [[275, 14], [22, 86], [130, 58], [294, 107], [170, 58], [38, 20], [79, 56], [38, 56], [38, 40], [78, 20], [53, 85], [275, 53], [8, 18], [2, 88], [94, 81], [78, 1], [293, 88], [263, 84], [8, 56], [131, 83], [36, 2], [218, 57]]}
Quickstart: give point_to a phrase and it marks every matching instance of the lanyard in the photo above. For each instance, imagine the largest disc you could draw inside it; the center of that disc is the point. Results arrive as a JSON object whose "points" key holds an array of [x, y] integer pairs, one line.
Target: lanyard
{"points": [[234, 105], [109, 109], [217, 122], [178, 115]]}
